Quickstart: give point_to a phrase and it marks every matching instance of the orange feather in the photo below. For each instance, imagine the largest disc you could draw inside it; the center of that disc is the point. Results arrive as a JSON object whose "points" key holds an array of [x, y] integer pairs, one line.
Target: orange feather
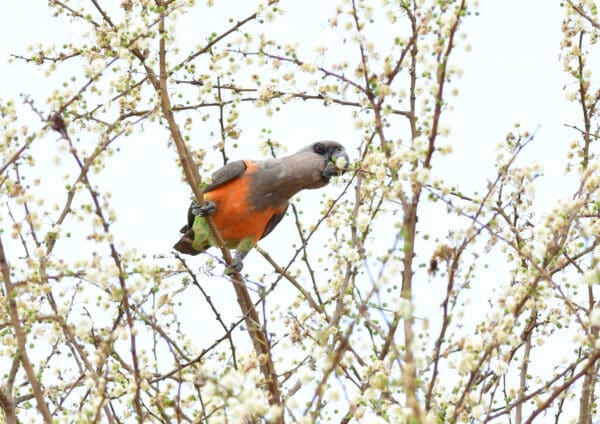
{"points": [[234, 217]]}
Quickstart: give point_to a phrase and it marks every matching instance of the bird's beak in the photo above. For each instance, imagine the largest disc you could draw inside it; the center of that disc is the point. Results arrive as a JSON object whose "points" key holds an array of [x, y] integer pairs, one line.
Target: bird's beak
{"points": [[337, 163]]}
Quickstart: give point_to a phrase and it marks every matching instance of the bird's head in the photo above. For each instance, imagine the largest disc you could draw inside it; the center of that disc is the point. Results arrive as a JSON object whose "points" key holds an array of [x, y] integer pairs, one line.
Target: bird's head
{"points": [[328, 158], [335, 156]]}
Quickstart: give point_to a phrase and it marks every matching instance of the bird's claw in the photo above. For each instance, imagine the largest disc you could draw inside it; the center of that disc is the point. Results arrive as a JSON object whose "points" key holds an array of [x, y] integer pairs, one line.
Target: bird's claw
{"points": [[236, 266], [208, 208]]}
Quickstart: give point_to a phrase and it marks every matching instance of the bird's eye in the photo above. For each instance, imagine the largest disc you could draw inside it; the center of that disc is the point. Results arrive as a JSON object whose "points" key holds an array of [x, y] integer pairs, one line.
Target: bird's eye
{"points": [[319, 148]]}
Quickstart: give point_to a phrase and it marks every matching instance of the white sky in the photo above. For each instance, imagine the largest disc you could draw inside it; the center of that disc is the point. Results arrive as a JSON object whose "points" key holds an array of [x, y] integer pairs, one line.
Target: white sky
{"points": [[512, 74]]}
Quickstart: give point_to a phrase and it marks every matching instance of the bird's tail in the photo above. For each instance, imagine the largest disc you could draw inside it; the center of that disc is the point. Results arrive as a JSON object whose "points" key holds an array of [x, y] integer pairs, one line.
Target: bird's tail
{"points": [[185, 244]]}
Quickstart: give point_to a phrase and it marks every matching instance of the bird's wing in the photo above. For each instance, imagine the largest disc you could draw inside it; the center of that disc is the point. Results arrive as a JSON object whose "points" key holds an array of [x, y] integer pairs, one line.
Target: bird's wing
{"points": [[275, 219], [225, 174]]}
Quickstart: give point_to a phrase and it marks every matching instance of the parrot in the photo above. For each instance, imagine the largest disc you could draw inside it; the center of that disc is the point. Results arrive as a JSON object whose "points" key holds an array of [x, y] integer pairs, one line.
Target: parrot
{"points": [[247, 198]]}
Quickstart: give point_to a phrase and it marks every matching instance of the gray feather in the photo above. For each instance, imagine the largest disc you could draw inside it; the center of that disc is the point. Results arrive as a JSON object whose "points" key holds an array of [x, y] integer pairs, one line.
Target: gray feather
{"points": [[225, 174]]}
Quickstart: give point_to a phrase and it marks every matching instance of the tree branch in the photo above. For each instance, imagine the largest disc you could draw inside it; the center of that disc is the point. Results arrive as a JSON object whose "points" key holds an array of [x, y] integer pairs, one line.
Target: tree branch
{"points": [[21, 338]]}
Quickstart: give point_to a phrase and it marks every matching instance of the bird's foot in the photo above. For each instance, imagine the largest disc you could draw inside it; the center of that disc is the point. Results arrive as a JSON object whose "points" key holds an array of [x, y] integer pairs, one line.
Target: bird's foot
{"points": [[208, 208], [236, 266]]}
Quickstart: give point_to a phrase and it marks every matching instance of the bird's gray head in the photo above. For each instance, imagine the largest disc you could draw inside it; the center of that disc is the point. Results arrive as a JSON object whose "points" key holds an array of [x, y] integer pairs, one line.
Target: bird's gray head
{"points": [[328, 158]]}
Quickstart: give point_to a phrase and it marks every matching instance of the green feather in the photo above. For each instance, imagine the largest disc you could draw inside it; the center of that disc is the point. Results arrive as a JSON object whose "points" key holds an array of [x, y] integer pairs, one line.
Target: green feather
{"points": [[203, 236]]}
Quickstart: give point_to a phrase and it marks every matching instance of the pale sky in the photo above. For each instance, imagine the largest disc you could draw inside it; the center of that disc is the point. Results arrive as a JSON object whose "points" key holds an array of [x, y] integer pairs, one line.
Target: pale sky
{"points": [[512, 74]]}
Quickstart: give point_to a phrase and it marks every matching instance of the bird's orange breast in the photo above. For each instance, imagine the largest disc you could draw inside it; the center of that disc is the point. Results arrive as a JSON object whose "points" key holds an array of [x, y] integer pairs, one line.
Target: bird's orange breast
{"points": [[235, 217]]}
